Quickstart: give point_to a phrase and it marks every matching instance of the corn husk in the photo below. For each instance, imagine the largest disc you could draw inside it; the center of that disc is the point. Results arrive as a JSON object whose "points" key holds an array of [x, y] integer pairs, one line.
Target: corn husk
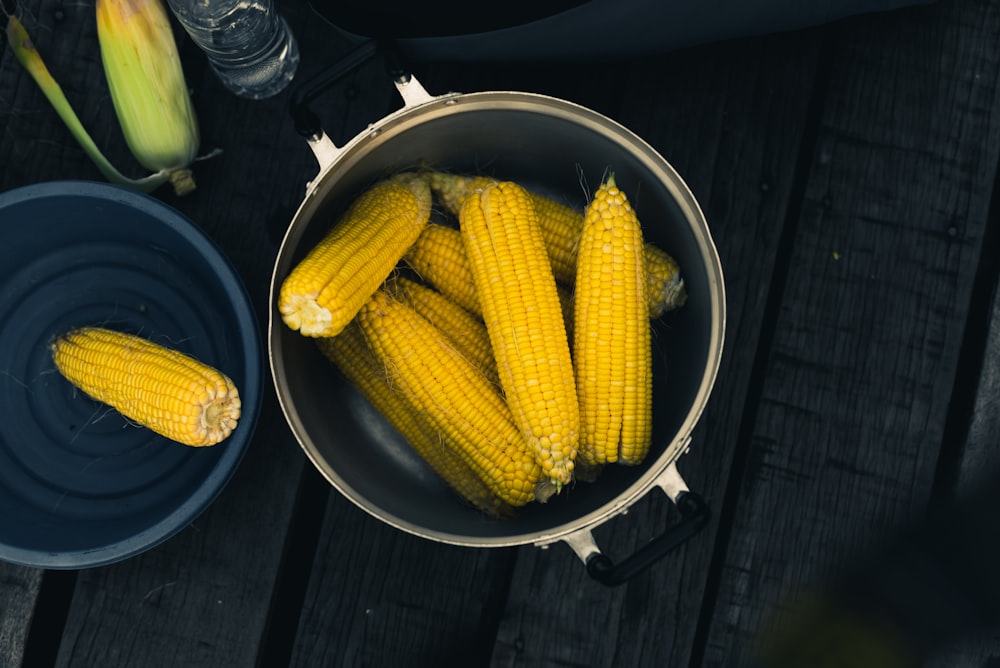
{"points": [[24, 50], [148, 88]]}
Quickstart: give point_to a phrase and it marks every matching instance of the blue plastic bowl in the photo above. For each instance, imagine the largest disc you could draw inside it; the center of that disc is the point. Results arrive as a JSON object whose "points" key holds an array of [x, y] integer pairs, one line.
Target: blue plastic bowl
{"points": [[80, 485]]}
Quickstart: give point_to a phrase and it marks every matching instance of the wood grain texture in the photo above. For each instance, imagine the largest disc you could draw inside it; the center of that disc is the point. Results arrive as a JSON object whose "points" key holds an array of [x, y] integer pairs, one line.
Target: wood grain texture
{"points": [[34, 143], [978, 462], [203, 597], [19, 588], [714, 114], [834, 444], [379, 597], [863, 361]]}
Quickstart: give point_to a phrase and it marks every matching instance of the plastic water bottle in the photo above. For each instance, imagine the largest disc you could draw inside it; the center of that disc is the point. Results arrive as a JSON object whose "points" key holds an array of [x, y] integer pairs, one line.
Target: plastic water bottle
{"points": [[249, 45]]}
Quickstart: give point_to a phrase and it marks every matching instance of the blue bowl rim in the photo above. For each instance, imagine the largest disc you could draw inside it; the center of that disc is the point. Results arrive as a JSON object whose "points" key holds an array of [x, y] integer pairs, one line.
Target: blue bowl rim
{"points": [[251, 394]]}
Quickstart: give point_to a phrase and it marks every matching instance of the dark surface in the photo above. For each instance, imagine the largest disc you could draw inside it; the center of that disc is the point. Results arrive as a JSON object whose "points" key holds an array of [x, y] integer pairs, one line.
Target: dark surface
{"points": [[848, 174]]}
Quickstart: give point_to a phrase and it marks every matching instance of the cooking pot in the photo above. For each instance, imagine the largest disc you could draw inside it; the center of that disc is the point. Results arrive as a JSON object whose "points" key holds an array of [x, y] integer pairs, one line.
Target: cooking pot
{"points": [[549, 145]]}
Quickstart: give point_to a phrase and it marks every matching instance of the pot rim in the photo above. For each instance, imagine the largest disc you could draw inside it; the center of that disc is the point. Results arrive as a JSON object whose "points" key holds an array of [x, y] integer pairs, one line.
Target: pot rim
{"points": [[418, 110]]}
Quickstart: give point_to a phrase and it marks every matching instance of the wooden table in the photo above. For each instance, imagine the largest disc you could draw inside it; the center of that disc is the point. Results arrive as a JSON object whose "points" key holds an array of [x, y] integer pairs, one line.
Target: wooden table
{"points": [[848, 174]]}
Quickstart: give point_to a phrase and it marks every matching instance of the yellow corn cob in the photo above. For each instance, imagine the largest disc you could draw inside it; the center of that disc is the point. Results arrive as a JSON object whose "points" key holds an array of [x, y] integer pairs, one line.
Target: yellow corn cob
{"points": [[455, 396], [561, 227], [452, 189], [439, 258], [523, 316], [350, 353], [554, 218], [325, 290], [611, 348], [165, 390], [462, 328]]}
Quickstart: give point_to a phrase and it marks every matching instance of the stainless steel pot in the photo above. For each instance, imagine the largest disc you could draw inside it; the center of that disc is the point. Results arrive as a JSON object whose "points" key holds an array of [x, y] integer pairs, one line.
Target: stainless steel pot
{"points": [[547, 144]]}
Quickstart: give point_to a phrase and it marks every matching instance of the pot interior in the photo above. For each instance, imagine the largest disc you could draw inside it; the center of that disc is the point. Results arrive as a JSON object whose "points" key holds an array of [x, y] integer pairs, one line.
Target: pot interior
{"points": [[553, 147]]}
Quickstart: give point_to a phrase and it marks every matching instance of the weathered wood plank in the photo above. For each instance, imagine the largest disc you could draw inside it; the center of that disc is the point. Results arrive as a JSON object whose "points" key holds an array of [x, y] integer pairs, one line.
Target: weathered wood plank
{"points": [[19, 588], [378, 597], [731, 119], [976, 461], [863, 361]]}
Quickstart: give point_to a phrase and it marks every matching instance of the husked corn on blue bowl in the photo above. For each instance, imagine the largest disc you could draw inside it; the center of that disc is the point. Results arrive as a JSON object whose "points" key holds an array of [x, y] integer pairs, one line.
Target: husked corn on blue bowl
{"points": [[80, 484]]}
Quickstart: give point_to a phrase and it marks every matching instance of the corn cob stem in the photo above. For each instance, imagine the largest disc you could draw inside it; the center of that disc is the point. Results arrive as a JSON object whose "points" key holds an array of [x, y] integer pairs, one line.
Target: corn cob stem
{"points": [[29, 57], [611, 349], [438, 256], [523, 315], [165, 390], [147, 85]]}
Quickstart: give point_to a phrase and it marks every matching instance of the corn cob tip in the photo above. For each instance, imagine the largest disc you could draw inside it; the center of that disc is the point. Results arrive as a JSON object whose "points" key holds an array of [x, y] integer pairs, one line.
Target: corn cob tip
{"points": [[325, 290], [301, 312], [672, 294], [546, 489], [182, 179]]}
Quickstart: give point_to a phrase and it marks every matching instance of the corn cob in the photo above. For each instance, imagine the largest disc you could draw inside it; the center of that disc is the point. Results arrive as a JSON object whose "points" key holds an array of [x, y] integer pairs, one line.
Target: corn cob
{"points": [[325, 290], [165, 390], [350, 353], [554, 217], [439, 258], [612, 343], [462, 328], [455, 396], [561, 227], [523, 315], [452, 189]]}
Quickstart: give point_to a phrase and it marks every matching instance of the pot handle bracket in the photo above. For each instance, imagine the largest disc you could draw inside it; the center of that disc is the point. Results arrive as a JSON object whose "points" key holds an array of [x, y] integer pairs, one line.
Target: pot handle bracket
{"points": [[695, 515], [307, 122]]}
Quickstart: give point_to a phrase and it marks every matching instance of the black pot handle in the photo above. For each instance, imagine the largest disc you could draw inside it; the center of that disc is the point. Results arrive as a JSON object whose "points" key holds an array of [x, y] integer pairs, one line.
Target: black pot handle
{"points": [[306, 121], [695, 515]]}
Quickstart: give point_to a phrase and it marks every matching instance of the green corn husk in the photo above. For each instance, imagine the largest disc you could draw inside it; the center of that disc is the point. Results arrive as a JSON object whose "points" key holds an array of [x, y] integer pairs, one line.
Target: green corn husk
{"points": [[147, 87], [26, 53]]}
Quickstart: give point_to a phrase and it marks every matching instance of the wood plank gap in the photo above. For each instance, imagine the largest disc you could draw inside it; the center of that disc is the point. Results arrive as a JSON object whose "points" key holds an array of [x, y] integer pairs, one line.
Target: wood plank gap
{"points": [[494, 605], [55, 593], [307, 518], [775, 294], [947, 479]]}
